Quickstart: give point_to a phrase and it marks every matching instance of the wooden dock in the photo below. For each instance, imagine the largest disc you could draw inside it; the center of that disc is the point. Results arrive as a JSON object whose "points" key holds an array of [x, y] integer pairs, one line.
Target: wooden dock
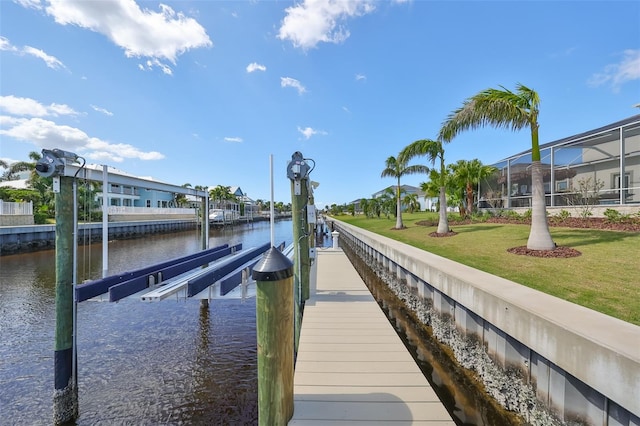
{"points": [[352, 368]]}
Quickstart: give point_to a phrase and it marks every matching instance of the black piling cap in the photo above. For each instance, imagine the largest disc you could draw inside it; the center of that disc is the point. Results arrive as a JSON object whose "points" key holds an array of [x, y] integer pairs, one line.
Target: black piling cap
{"points": [[274, 266]]}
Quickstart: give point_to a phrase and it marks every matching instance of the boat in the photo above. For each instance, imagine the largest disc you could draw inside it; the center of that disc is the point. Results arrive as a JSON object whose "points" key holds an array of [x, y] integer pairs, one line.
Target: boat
{"points": [[223, 216]]}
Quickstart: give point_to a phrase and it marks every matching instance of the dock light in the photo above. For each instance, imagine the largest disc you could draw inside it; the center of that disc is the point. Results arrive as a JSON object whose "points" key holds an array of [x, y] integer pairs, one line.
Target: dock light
{"points": [[67, 155], [53, 161], [297, 169]]}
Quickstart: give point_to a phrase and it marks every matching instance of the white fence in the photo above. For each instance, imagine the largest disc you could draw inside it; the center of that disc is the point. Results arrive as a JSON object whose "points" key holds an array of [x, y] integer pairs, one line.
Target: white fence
{"points": [[14, 209], [150, 210]]}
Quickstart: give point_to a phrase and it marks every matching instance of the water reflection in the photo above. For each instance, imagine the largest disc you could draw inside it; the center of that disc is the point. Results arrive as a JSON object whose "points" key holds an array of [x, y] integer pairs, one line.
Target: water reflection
{"points": [[172, 362]]}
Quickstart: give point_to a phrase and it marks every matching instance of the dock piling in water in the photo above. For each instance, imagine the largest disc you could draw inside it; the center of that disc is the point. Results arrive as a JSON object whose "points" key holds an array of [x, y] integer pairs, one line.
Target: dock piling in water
{"points": [[65, 394], [274, 329]]}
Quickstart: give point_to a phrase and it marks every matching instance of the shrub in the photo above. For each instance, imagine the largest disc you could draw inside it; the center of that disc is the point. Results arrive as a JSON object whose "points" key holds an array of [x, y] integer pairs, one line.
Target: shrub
{"points": [[480, 217], [563, 214], [614, 216], [512, 214], [40, 218]]}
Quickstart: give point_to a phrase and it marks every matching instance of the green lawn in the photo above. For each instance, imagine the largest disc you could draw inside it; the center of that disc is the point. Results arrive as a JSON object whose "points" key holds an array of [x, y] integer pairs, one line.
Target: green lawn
{"points": [[606, 277]]}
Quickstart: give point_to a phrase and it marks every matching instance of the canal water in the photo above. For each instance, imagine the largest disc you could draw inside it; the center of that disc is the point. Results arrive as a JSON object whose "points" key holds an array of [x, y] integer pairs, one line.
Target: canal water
{"points": [[172, 362], [139, 363]]}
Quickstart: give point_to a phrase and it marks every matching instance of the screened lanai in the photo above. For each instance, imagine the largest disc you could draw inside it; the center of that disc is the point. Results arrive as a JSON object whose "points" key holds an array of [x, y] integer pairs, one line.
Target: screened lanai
{"points": [[599, 167]]}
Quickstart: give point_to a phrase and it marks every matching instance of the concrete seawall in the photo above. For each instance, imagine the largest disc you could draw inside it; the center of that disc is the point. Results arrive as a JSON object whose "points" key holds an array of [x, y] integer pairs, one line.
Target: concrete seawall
{"points": [[20, 239], [550, 360]]}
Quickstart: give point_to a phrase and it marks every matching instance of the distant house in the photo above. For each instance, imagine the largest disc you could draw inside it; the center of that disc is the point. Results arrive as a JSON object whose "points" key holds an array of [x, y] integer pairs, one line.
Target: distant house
{"points": [[129, 195], [426, 203], [16, 183], [248, 209]]}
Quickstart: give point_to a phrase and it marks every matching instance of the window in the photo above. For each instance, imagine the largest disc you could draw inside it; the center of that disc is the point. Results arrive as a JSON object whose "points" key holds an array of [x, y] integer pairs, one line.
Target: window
{"points": [[562, 185], [616, 180], [148, 203], [625, 183]]}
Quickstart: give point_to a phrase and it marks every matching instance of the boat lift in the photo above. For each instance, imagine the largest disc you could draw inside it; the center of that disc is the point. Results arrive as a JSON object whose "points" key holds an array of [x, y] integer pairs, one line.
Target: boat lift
{"points": [[209, 274]]}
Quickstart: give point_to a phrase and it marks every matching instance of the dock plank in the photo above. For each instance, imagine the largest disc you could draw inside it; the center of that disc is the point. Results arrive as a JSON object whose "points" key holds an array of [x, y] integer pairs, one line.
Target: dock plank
{"points": [[351, 367]]}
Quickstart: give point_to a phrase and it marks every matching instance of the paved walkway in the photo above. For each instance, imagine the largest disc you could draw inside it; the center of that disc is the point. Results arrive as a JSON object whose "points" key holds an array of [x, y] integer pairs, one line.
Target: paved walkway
{"points": [[352, 368]]}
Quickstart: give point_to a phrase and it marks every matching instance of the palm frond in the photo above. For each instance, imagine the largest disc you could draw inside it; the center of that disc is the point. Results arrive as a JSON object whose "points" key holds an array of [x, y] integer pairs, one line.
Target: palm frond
{"points": [[495, 107], [432, 149]]}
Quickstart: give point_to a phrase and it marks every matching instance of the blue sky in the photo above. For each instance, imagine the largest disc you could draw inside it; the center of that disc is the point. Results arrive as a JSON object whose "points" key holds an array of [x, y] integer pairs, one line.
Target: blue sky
{"points": [[204, 92]]}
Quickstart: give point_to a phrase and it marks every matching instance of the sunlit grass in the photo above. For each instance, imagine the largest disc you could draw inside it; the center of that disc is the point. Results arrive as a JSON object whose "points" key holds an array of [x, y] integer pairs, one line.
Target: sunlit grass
{"points": [[606, 277]]}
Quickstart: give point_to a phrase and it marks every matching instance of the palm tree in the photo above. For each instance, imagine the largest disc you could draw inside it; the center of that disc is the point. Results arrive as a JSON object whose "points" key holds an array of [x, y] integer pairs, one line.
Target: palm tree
{"points": [[4, 165], [469, 174], [515, 111], [411, 201], [181, 199], [434, 150], [220, 194], [397, 167], [431, 188], [365, 206], [384, 203]]}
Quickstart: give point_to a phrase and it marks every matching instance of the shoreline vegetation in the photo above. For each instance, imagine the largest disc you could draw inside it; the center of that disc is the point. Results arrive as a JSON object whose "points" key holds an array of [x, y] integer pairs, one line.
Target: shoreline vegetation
{"points": [[605, 276]]}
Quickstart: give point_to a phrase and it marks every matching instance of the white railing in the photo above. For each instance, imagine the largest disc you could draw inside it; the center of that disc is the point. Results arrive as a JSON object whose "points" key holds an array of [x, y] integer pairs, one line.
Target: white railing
{"points": [[150, 210], [11, 208]]}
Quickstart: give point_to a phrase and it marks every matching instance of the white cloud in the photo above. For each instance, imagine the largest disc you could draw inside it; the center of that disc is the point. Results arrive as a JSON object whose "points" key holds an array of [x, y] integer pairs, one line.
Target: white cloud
{"points": [[30, 107], [5, 44], [360, 77], [151, 63], [34, 4], [307, 132], [47, 134], [142, 33], [292, 82], [255, 67], [618, 74], [102, 110], [233, 139], [308, 23], [50, 61]]}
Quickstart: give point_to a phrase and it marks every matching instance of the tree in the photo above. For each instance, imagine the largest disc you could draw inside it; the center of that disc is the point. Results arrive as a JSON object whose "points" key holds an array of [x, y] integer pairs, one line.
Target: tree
{"points": [[434, 150], [365, 206], [387, 202], [431, 188], [469, 174], [397, 167], [220, 194], [411, 201], [181, 199], [503, 108]]}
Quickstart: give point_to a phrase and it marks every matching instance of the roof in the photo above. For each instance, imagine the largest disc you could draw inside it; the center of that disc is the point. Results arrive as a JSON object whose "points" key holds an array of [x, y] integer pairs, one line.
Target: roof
{"points": [[17, 184], [406, 188], [631, 120]]}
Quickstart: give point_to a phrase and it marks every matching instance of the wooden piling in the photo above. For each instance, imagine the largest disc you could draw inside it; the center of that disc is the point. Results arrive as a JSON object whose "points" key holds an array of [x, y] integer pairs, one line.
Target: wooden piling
{"points": [[301, 236], [274, 323], [65, 394]]}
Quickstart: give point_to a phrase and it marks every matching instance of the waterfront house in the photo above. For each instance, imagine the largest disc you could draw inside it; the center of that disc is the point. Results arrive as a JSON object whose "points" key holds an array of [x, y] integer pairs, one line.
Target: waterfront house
{"points": [[600, 166]]}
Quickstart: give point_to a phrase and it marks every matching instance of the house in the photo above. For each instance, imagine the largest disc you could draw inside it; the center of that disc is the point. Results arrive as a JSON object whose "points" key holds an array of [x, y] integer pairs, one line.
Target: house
{"points": [[604, 161], [426, 203]]}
